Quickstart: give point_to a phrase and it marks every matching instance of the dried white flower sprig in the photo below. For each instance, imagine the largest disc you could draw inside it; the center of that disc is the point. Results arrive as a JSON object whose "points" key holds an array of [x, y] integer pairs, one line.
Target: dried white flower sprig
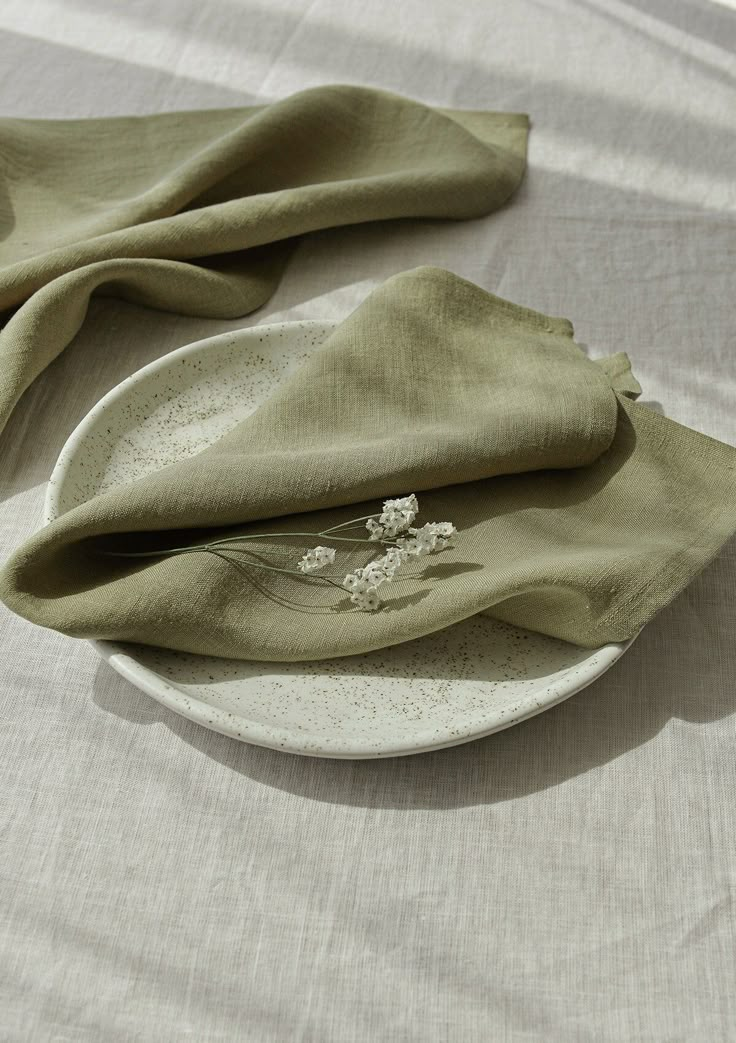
{"points": [[392, 528], [316, 559], [397, 516]]}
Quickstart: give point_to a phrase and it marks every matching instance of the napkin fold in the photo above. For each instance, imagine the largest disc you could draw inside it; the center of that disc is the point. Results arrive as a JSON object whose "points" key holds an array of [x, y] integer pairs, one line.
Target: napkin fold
{"points": [[581, 513], [195, 212]]}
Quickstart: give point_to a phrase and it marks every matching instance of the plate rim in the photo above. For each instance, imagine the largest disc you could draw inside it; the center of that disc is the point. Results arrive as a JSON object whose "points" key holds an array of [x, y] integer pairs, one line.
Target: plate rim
{"points": [[214, 719], [118, 654]]}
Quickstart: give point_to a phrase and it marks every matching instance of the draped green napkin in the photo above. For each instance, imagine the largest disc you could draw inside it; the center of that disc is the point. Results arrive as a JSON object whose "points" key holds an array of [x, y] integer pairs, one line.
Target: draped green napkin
{"points": [[581, 513], [194, 212]]}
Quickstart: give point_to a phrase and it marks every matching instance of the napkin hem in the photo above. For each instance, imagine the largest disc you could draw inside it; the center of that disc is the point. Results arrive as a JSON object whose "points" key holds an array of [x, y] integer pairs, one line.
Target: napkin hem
{"points": [[672, 577]]}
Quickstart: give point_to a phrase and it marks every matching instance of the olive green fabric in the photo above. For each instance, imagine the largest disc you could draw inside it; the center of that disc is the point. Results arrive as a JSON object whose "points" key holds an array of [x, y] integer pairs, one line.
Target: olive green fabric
{"points": [[581, 513], [193, 212]]}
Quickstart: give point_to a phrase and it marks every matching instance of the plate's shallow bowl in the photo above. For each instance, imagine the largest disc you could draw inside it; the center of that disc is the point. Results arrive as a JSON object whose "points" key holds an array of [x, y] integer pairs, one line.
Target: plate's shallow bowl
{"points": [[458, 684]]}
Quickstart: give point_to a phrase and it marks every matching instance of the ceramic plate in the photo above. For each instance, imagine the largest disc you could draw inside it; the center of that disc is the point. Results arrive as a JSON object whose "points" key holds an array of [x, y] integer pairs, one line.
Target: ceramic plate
{"points": [[459, 684]]}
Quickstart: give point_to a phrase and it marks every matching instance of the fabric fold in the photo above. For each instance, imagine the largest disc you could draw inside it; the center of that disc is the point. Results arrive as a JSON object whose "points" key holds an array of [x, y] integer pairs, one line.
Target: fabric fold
{"points": [[194, 211], [581, 513]]}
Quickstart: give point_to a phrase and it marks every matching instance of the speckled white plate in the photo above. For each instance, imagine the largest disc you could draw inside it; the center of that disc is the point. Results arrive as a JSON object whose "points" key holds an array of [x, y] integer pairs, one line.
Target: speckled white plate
{"points": [[459, 684]]}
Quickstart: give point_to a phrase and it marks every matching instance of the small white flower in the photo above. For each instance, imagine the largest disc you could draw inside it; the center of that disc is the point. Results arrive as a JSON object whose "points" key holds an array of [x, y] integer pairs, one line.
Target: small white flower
{"points": [[374, 574], [316, 559], [445, 530], [363, 593], [411, 547], [353, 582], [386, 566], [427, 538], [398, 515], [367, 600], [434, 535], [371, 575], [394, 557], [375, 530], [363, 584], [405, 503]]}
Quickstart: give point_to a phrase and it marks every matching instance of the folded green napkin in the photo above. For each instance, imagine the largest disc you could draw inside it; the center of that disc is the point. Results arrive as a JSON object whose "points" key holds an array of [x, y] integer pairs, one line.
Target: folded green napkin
{"points": [[580, 513], [193, 212]]}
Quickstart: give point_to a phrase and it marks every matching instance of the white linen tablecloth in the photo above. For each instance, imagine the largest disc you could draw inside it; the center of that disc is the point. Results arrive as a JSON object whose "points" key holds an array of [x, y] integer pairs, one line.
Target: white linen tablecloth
{"points": [[569, 879]]}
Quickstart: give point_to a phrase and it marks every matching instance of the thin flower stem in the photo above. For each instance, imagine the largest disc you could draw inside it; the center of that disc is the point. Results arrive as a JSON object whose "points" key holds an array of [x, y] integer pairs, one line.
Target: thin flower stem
{"points": [[344, 539], [220, 543], [327, 579], [347, 524], [273, 568], [290, 572], [343, 528], [151, 553], [326, 533], [268, 535]]}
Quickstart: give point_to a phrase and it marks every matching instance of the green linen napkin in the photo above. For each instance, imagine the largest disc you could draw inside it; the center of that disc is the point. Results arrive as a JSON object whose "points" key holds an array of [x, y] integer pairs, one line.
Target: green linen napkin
{"points": [[194, 212], [581, 513]]}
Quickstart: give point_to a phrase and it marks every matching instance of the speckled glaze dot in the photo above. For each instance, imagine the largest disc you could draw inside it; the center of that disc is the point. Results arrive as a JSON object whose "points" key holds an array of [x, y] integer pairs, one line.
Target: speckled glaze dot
{"points": [[458, 684]]}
